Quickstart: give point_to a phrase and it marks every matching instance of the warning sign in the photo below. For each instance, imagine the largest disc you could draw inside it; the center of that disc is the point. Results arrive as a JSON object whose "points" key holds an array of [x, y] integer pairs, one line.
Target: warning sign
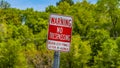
{"points": [[59, 33]]}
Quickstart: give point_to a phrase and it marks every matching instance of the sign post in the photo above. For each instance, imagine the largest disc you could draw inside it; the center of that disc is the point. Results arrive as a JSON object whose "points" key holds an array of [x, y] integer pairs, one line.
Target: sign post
{"points": [[59, 35], [56, 63]]}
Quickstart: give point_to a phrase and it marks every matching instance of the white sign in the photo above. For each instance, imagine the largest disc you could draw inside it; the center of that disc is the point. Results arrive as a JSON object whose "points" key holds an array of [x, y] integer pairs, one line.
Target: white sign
{"points": [[59, 33]]}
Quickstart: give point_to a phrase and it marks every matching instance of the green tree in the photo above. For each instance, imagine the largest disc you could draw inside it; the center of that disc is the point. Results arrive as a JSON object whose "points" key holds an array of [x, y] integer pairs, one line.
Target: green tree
{"points": [[108, 57], [53, 9], [111, 7], [96, 38], [9, 52], [79, 54], [4, 4], [68, 1]]}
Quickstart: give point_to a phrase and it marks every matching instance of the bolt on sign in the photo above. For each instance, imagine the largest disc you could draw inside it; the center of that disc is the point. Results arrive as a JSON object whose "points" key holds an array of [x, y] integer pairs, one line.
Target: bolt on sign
{"points": [[59, 33]]}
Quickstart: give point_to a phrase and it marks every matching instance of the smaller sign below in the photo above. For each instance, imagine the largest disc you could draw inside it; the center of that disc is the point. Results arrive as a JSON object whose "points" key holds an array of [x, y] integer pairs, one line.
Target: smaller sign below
{"points": [[56, 45]]}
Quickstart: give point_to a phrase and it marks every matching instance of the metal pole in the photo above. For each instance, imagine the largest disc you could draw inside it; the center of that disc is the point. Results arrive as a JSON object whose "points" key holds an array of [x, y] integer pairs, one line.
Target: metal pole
{"points": [[56, 63], [23, 20]]}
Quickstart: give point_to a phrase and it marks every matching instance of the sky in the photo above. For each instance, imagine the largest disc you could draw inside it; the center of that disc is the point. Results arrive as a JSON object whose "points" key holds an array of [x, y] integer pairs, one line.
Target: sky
{"points": [[38, 5]]}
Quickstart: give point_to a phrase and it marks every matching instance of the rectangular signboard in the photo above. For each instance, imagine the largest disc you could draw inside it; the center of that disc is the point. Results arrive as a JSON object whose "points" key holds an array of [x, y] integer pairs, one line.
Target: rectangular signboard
{"points": [[59, 33]]}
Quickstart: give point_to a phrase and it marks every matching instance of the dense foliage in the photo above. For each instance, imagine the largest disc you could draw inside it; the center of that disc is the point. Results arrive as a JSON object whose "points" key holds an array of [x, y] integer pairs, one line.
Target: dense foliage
{"points": [[95, 36]]}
